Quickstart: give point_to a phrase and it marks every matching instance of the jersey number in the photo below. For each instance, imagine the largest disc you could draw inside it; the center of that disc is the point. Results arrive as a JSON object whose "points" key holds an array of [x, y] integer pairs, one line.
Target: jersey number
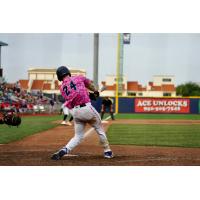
{"points": [[72, 86]]}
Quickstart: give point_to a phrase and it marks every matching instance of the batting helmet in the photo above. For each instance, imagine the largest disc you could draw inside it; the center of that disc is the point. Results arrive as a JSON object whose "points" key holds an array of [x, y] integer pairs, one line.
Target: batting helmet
{"points": [[62, 72]]}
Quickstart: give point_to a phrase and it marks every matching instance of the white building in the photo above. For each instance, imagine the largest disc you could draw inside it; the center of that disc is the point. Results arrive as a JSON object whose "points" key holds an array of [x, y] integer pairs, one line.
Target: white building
{"points": [[45, 79], [110, 84], [162, 85]]}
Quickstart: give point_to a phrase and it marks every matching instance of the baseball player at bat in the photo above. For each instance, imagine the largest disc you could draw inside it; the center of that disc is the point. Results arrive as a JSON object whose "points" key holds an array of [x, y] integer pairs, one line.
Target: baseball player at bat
{"points": [[75, 92]]}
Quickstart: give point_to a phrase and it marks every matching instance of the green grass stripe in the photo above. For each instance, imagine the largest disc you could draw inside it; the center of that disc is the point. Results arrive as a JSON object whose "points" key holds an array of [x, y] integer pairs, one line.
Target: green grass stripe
{"points": [[158, 116], [155, 135], [29, 126]]}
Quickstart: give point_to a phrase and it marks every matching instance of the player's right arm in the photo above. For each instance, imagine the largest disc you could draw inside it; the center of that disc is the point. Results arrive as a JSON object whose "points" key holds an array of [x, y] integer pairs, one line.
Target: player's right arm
{"points": [[90, 85]]}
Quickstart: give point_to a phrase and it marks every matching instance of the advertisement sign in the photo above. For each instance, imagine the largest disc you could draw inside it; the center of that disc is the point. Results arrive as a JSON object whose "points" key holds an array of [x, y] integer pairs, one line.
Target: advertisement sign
{"points": [[162, 105]]}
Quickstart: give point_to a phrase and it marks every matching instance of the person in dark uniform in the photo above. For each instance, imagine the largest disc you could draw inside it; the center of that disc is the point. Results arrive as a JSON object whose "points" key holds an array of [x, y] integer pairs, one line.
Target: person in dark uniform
{"points": [[107, 106]]}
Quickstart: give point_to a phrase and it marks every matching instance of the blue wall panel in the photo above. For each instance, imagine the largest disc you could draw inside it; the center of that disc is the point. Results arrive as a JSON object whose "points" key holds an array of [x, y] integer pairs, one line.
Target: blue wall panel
{"points": [[126, 105], [97, 104], [194, 106]]}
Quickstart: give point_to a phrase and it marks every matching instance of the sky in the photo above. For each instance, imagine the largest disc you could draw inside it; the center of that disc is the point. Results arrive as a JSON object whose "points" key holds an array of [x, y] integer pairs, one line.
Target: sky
{"points": [[148, 54]]}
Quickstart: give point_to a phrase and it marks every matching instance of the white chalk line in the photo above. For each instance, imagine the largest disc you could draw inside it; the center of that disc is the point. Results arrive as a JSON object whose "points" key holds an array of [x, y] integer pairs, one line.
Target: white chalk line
{"points": [[70, 155], [89, 132]]}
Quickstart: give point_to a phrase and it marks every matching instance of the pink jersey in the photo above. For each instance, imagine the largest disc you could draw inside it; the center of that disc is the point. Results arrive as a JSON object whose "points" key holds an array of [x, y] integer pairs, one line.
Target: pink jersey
{"points": [[74, 91]]}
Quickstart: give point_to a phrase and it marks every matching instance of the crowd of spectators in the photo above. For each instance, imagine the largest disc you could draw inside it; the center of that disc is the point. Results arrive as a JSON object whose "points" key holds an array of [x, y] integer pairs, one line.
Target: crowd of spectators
{"points": [[12, 96]]}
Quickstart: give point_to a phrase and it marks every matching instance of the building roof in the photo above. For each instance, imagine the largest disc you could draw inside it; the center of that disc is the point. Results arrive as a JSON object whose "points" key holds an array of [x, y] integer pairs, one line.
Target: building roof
{"points": [[3, 44], [168, 87], [132, 85], [37, 85], [156, 88], [47, 86], [140, 88], [57, 86], [164, 87], [111, 87], [24, 84]]}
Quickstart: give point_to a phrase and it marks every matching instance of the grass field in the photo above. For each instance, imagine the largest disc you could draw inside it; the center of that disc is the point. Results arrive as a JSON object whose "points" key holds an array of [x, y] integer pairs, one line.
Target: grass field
{"points": [[155, 135], [30, 125], [157, 116]]}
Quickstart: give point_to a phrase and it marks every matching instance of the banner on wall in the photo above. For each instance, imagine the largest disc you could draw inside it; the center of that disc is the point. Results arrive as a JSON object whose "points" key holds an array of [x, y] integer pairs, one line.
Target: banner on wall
{"points": [[162, 105]]}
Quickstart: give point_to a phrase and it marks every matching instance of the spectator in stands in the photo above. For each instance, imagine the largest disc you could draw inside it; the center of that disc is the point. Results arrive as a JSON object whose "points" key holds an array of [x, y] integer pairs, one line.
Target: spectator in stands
{"points": [[23, 105], [10, 95], [51, 107], [17, 87]]}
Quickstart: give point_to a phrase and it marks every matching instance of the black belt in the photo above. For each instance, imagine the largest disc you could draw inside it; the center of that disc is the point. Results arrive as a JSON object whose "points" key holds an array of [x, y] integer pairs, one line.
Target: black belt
{"points": [[82, 105]]}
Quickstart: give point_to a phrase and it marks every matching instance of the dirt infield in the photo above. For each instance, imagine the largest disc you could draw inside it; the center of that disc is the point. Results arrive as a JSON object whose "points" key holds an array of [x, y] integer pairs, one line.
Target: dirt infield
{"points": [[37, 149]]}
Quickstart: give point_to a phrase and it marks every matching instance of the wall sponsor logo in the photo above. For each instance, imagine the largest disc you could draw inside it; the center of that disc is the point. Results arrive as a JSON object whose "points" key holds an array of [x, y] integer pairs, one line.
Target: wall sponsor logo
{"points": [[162, 105]]}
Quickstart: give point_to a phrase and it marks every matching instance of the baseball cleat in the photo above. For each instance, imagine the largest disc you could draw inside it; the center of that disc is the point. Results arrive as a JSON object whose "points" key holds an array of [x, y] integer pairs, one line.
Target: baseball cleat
{"points": [[68, 124], [108, 154], [64, 123], [58, 155]]}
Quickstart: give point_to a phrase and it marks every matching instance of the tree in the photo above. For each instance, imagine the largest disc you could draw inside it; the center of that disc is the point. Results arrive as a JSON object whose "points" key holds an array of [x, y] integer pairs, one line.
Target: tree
{"points": [[188, 89]]}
